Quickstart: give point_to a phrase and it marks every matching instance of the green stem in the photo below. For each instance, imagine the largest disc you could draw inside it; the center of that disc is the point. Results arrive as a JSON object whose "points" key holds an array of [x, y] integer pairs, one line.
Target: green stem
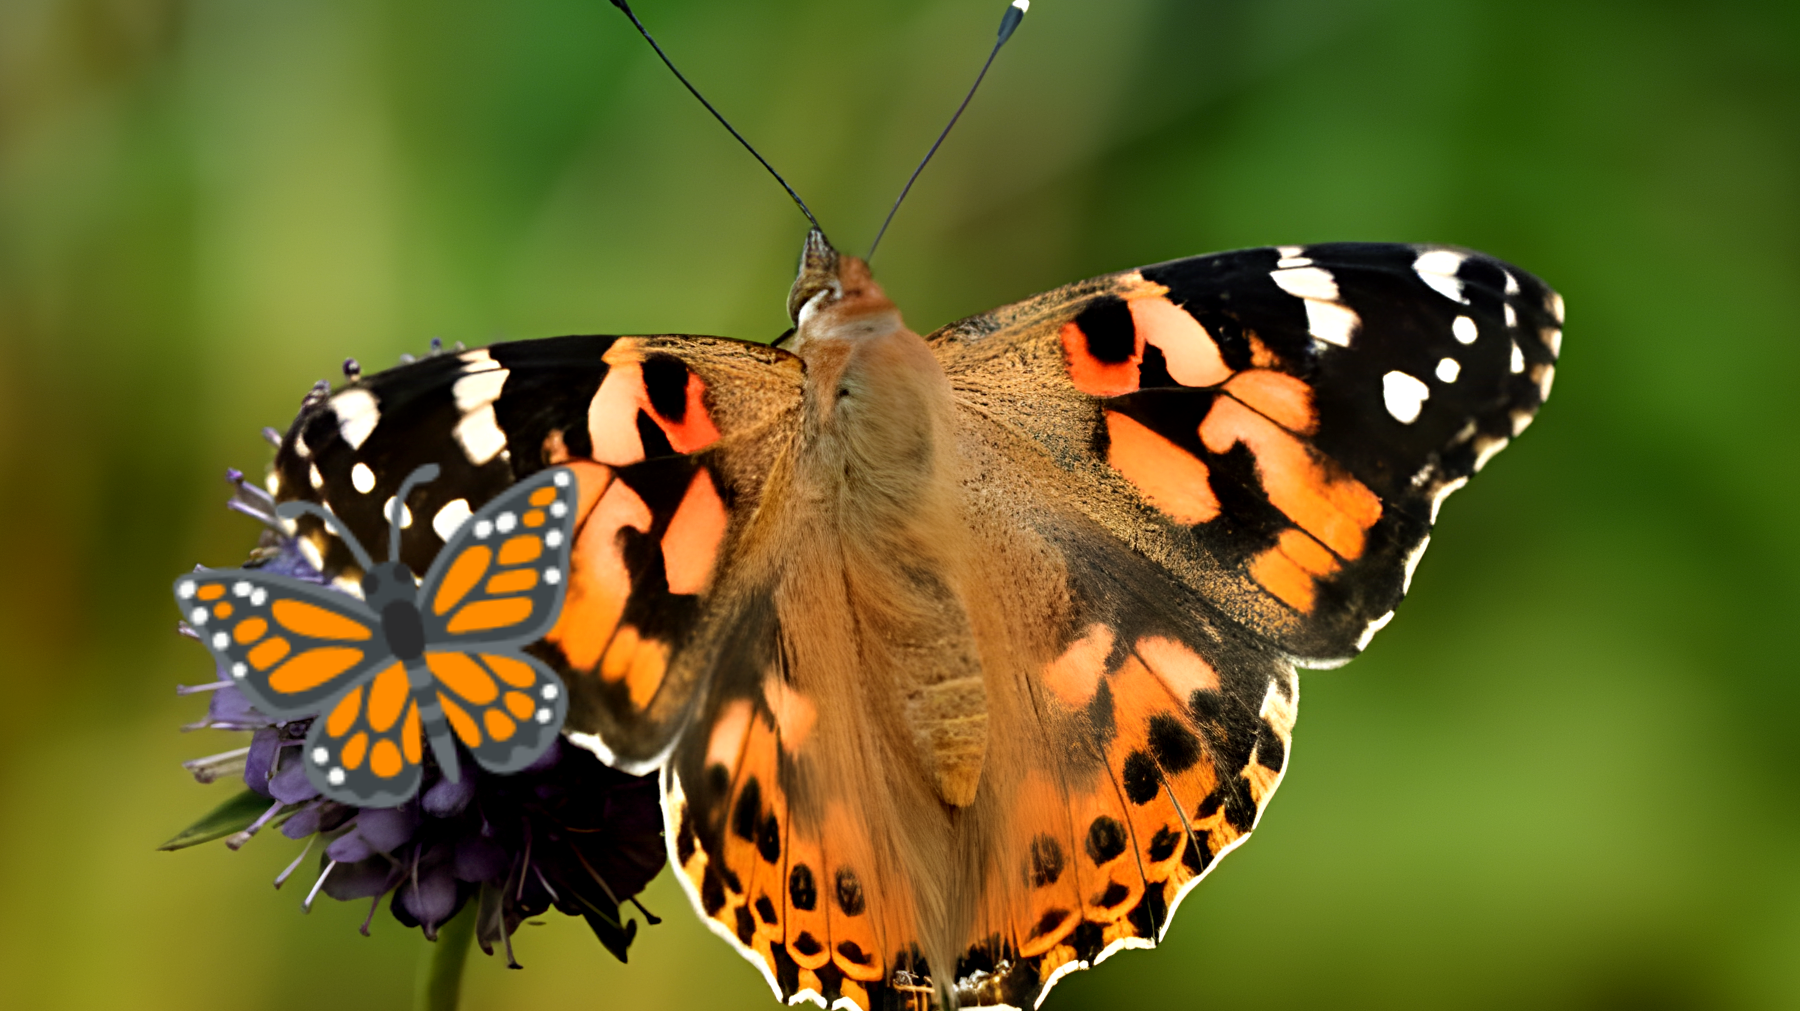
{"points": [[439, 982]]}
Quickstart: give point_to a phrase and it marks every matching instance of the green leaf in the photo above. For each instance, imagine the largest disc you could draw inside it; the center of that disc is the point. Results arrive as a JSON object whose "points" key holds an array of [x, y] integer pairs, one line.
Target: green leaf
{"points": [[234, 815]]}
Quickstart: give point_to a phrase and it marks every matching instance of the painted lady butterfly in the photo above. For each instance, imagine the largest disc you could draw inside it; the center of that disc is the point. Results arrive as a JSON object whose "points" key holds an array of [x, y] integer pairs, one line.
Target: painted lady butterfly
{"points": [[964, 657]]}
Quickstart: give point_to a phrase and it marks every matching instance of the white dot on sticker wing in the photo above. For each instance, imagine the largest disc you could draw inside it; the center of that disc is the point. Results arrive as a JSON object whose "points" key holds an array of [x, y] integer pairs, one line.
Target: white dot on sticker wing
{"points": [[335, 777], [543, 715], [483, 529], [238, 669], [197, 617], [552, 576], [558, 509], [561, 479], [320, 756], [240, 589], [553, 539], [505, 522], [548, 692], [186, 590], [221, 640], [258, 597]]}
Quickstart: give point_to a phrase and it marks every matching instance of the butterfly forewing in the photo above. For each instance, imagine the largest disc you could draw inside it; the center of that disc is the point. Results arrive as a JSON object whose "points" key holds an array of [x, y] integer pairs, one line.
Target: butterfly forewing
{"points": [[288, 645], [1275, 426], [502, 575]]}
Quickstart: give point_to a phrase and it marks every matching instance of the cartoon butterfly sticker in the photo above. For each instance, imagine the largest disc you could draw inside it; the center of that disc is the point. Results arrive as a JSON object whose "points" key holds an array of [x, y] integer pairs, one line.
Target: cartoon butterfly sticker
{"points": [[439, 660]]}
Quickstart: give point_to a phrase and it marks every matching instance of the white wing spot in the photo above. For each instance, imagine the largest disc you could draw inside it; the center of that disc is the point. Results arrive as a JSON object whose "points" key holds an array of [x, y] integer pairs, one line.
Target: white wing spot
{"points": [[480, 436], [221, 640], [1326, 318], [1362, 641], [559, 509], [1552, 338], [1307, 282], [1512, 283], [478, 387], [197, 617], [561, 479], [1437, 499], [483, 528], [1438, 268], [1512, 318], [362, 478], [1544, 380], [335, 777], [238, 669], [553, 539], [450, 518], [552, 576], [1521, 420], [313, 477], [1485, 450], [1464, 330], [1331, 322], [240, 589], [1448, 369], [357, 414], [258, 596], [505, 522], [1555, 305], [387, 513], [1518, 359], [1412, 563], [1405, 396], [549, 692], [186, 590], [543, 715], [321, 756]]}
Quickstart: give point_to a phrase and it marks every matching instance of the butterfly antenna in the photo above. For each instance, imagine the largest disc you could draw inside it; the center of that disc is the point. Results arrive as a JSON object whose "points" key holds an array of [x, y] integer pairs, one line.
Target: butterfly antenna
{"points": [[291, 510], [645, 32], [397, 505], [1015, 13]]}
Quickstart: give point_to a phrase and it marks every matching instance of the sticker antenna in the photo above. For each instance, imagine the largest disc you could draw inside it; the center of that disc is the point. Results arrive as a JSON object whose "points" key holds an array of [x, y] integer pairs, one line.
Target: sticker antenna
{"points": [[1015, 12], [623, 6]]}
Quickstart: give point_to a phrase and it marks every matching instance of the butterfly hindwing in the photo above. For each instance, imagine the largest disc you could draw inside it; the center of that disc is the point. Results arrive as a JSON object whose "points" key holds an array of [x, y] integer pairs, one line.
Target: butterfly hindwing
{"points": [[366, 747], [503, 705], [289, 645], [1275, 426]]}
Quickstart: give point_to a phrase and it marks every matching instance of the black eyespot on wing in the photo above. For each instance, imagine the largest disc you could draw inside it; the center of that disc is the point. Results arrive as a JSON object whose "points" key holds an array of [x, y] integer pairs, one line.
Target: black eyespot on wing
{"points": [[1105, 839], [1046, 861], [1140, 778], [749, 807], [803, 891], [849, 892], [1175, 747], [1111, 335], [665, 381]]}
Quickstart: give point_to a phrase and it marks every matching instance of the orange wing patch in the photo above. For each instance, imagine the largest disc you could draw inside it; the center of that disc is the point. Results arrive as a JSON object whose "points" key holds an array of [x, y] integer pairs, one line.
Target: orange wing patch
{"points": [[1169, 477]]}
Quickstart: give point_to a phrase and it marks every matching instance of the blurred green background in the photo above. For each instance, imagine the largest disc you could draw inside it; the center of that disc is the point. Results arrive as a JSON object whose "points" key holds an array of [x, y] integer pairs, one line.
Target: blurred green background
{"points": [[1565, 778]]}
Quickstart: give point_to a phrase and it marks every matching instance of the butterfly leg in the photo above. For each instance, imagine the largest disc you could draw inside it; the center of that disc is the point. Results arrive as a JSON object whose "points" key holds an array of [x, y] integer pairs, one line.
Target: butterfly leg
{"points": [[431, 715]]}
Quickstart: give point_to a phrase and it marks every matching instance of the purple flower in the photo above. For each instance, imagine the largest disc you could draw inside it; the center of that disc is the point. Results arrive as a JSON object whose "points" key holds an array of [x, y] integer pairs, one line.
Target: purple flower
{"points": [[568, 833]]}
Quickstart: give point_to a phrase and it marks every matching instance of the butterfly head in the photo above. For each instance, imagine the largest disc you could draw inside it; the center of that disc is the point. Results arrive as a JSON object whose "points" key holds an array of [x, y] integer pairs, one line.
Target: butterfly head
{"points": [[835, 296]]}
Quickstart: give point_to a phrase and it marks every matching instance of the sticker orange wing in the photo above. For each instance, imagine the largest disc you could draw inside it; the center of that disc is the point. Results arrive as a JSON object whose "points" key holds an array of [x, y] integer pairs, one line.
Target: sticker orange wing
{"points": [[501, 578], [367, 747], [505, 706], [290, 646], [1278, 426]]}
